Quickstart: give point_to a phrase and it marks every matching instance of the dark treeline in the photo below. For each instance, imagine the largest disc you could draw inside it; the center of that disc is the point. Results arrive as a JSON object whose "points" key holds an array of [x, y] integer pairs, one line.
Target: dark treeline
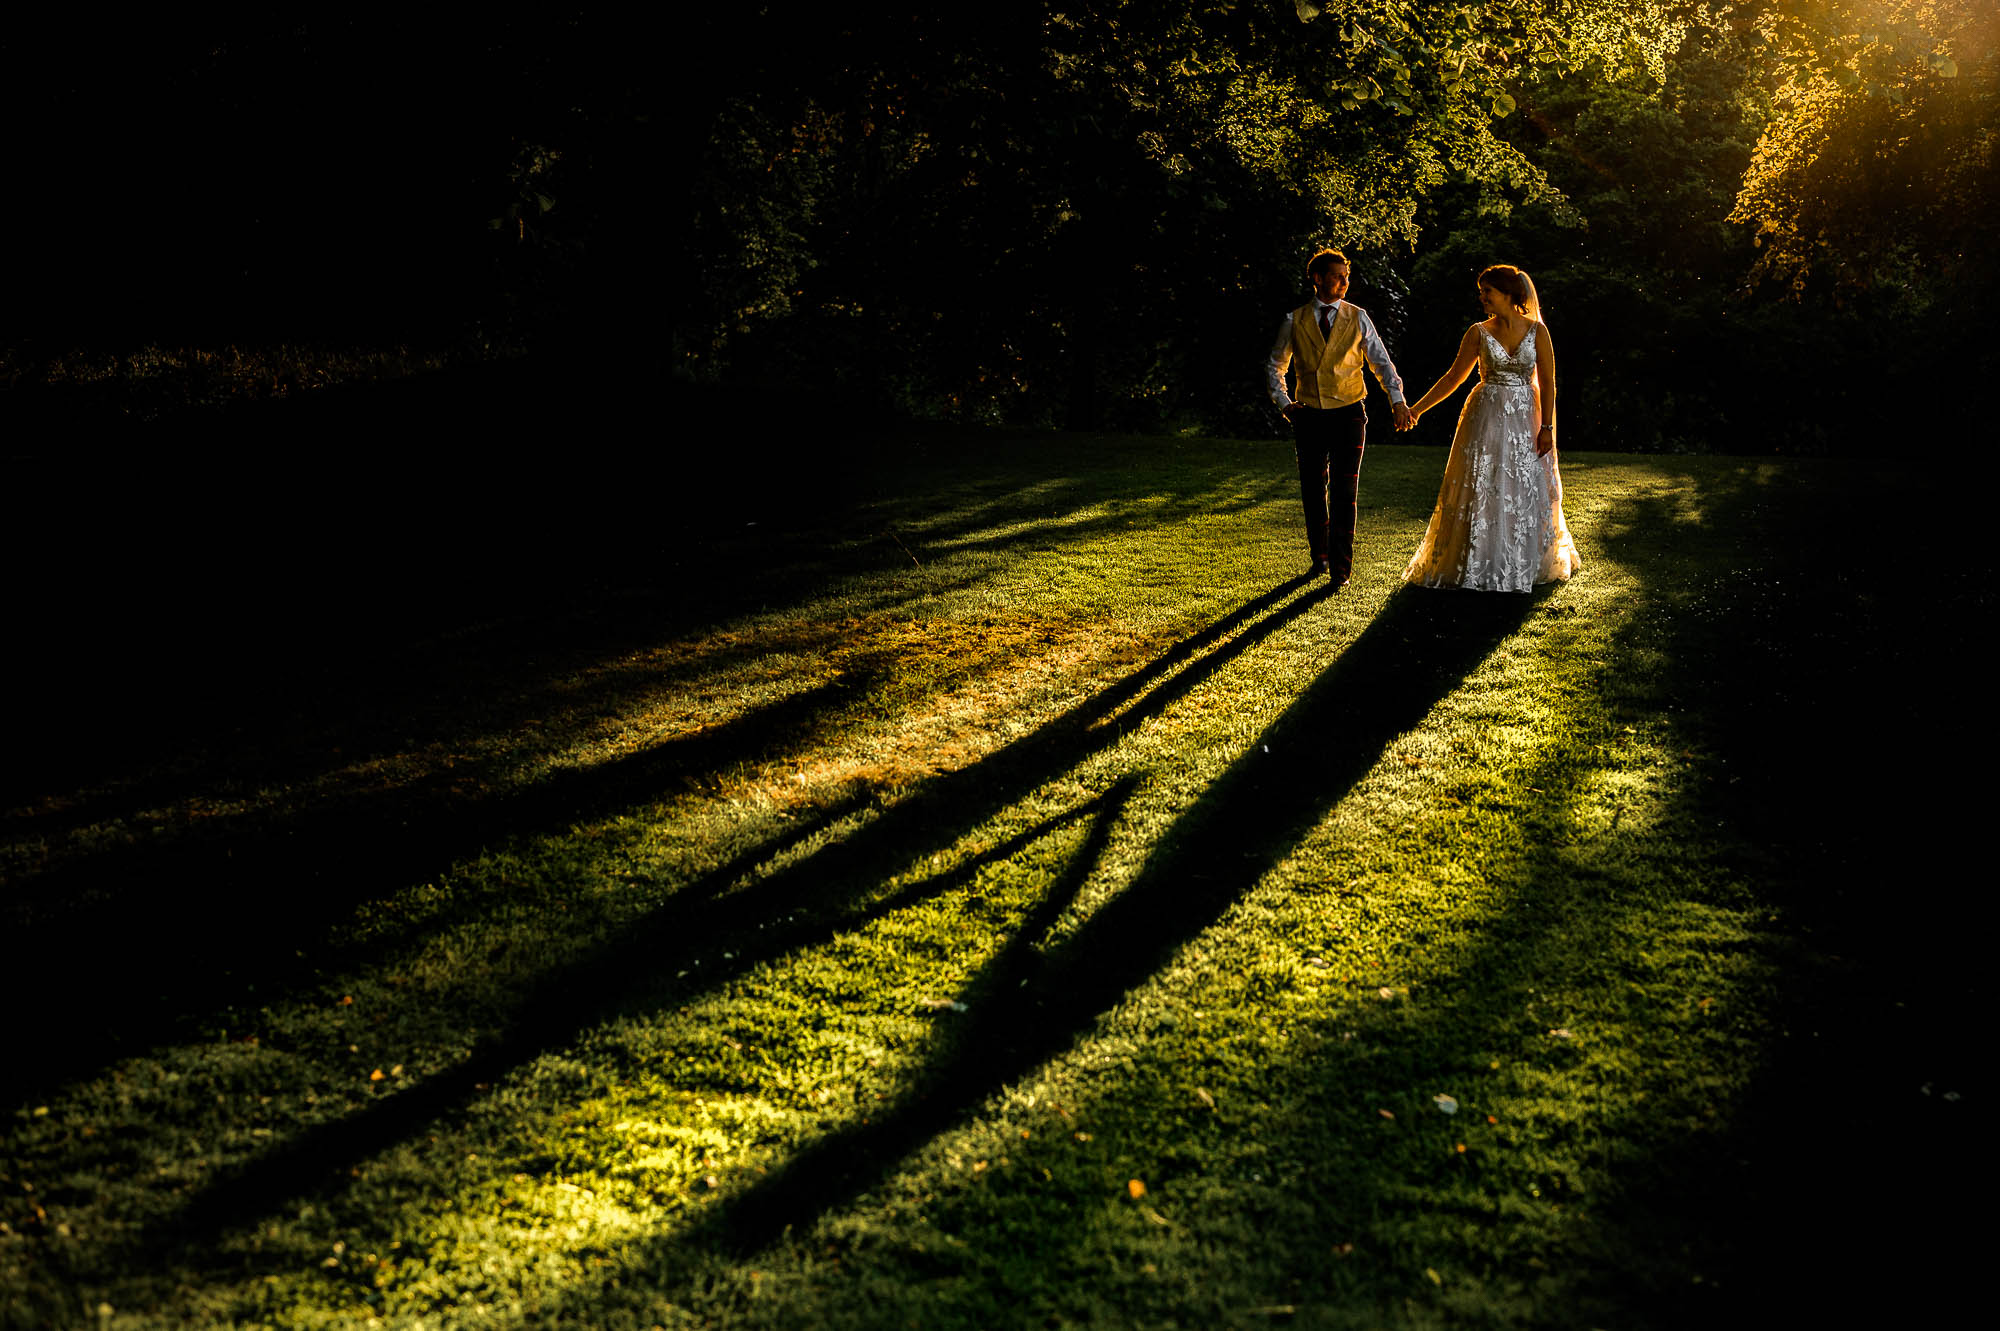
{"points": [[1759, 227]]}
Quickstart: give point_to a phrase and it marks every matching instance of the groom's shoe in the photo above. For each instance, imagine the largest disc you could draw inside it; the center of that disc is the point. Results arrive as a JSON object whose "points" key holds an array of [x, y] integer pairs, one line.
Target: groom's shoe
{"points": [[1319, 568]]}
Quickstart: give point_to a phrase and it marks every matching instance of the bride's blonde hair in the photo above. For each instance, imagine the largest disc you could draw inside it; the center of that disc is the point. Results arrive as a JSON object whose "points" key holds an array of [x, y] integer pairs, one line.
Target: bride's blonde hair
{"points": [[1515, 285]]}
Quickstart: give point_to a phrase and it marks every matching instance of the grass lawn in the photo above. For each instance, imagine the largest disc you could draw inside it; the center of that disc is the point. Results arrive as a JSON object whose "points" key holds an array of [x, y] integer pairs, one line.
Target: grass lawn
{"points": [[987, 887]]}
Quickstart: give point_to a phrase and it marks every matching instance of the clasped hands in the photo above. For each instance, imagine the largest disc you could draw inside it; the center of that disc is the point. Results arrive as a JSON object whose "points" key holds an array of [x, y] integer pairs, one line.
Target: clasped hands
{"points": [[1407, 420]]}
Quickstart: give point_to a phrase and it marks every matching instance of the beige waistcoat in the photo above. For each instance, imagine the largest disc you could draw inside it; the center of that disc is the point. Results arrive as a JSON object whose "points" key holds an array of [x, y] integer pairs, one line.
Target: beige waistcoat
{"points": [[1328, 369]]}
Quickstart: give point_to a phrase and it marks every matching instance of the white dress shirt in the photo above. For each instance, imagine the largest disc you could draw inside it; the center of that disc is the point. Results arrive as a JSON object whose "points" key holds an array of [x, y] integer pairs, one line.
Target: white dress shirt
{"points": [[1371, 347]]}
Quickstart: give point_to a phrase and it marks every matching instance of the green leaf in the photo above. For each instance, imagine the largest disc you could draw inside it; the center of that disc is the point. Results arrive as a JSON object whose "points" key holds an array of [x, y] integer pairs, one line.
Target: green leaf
{"points": [[1308, 11], [1503, 105], [1946, 67]]}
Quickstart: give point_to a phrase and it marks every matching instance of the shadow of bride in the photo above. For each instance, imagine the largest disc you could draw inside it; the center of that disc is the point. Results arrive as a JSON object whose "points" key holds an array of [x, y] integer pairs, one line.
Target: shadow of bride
{"points": [[1420, 648]]}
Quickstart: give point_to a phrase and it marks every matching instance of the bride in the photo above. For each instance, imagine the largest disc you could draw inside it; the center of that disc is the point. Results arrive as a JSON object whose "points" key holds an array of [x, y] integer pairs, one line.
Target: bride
{"points": [[1498, 525]]}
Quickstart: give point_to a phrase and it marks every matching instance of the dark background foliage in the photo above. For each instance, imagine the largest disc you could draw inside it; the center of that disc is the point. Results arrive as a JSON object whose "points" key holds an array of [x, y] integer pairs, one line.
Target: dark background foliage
{"points": [[1090, 217]]}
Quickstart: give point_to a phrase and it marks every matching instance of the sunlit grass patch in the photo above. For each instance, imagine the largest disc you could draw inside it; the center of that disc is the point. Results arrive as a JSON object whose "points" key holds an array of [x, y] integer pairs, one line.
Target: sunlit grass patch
{"points": [[986, 923]]}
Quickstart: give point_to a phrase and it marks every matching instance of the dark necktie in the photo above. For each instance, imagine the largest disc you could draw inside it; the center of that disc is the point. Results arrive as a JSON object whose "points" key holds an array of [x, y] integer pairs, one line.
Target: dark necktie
{"points": [[1325, 321]]}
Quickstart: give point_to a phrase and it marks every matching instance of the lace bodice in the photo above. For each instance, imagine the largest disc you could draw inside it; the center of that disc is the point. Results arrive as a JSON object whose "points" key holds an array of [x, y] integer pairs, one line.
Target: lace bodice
{"points": [[1501, 369]]}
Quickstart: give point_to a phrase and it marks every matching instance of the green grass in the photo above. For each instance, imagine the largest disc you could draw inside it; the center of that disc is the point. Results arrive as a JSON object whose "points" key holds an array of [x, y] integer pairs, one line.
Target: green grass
{"points": [[1008, 897]]}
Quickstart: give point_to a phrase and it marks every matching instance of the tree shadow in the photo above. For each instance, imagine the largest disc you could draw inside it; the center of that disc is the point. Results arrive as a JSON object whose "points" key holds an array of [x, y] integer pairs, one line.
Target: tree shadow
{"points": [[1839, 700], [1714, 1197]]}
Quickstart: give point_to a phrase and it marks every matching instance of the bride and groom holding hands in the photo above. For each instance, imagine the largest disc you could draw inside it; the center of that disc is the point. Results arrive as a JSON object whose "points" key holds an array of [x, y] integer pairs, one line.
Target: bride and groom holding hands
{"points": [[1498, 524]]}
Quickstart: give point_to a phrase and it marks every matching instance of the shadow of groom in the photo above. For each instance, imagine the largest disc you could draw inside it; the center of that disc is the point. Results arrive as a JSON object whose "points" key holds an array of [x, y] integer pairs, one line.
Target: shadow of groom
{"points": [[789, 909]]}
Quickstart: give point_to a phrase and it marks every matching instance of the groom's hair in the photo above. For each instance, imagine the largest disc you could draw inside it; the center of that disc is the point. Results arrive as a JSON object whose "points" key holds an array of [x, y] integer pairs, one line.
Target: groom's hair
{"points": [[1324, 260]]}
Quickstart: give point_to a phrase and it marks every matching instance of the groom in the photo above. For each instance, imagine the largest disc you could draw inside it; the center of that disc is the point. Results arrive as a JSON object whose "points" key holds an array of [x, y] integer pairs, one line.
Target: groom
{"points": [[1326, 340]]}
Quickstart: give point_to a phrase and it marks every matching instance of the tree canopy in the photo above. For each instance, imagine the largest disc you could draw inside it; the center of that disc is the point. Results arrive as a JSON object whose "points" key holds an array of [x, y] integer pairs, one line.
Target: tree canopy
{"points": [[1884, 151], [1078, 214], [1006, 210]]}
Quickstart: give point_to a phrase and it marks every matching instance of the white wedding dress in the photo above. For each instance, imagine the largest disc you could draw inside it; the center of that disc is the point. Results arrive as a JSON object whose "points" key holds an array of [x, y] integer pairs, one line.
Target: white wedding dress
{"points": [[1498, 525]]}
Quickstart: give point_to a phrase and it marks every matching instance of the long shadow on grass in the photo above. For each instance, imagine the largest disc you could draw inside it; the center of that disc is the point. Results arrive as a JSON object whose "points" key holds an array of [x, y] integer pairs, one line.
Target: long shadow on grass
{"points": [[1834, 700], [1418, 650], [1794, 1098], [790, 908], [179, 928], [176, 926]]}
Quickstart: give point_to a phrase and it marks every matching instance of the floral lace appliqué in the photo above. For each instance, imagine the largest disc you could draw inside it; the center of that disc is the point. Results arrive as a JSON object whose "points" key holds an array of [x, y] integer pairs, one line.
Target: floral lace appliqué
{"points": [[1498, 525]]}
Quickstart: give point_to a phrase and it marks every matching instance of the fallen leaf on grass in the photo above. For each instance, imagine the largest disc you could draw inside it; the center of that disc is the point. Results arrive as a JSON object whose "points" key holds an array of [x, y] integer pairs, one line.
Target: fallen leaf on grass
{"points": [[1342, 1249], [1385, 992], [376, 1075], [1155, 1216], [1562, 1033], [1446, 1103], [1204, 1097], [1385, 1113], [1135, 1187], [1436, 1279]]}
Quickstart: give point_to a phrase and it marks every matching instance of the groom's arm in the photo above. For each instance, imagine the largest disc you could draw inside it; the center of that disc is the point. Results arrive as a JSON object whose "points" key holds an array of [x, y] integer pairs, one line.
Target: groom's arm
{"points": [[1275, 366], [1385, 371]]}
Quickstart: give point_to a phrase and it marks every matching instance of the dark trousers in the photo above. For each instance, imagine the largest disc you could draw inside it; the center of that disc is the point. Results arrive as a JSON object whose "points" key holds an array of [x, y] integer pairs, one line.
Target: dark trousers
{"points": [[1328, 443]]}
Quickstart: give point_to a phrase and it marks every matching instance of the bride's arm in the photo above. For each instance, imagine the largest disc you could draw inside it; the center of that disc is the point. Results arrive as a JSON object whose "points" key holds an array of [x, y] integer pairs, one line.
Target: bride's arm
{"points": [[1545, 381], [1448, 382]]}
